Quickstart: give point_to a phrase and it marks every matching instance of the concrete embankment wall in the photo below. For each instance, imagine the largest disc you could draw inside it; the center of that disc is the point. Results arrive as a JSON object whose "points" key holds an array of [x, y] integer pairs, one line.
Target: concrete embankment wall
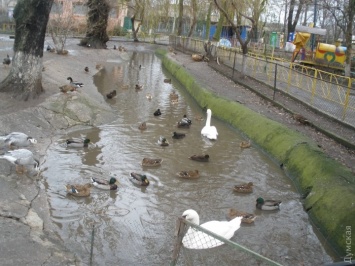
{"points": [[327, 186]]}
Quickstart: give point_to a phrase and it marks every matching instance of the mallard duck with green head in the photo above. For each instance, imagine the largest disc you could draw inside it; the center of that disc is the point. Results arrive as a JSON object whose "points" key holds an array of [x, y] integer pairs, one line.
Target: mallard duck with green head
{"points": [[139, 179], [77, 143], [105, 184], [185, 119], [267, 205], [163, 142], [79, 190], [149, 162], [244, 188], [183, 124]]}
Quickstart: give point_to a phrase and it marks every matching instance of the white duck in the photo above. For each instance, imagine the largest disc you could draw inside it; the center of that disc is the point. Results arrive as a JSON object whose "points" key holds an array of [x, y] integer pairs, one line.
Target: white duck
{"points": [[22, 158], [18, 139], [209, 131], [194, 239]]}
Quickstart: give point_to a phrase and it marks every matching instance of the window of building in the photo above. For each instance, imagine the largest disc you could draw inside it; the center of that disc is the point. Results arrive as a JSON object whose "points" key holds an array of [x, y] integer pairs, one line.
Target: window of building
{"points": [[80, 9], [57, 8]]}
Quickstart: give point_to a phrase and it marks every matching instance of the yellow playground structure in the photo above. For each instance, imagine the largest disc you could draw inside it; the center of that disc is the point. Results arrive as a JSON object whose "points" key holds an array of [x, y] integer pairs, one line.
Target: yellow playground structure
{"points": [[327, 57]]}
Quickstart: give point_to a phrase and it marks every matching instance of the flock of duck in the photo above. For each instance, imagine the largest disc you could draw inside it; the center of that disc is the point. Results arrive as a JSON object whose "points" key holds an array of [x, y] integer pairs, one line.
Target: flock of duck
{"points": [[194, 239], [23, 159], [14, 150]]}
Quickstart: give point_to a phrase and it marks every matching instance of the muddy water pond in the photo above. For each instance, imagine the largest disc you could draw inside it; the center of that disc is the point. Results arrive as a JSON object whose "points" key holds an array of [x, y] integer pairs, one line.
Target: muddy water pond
{"points": [[135, 225]]}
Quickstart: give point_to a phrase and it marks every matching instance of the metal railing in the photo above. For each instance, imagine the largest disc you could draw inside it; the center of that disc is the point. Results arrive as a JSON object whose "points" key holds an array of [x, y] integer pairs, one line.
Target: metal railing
{"points": [[329, 93]]}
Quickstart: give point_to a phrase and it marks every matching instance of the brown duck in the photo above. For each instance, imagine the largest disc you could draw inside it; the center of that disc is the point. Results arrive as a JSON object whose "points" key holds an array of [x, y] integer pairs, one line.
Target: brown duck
{"points": [[200, 158], [245, 144], [192, 174], [244, 188], [148, 162], [248, 218], [79, 190]]}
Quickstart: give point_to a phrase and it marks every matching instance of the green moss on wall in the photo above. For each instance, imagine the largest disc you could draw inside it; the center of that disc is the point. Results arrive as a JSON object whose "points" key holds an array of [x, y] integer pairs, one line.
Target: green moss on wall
{"points": [[328, 186]]}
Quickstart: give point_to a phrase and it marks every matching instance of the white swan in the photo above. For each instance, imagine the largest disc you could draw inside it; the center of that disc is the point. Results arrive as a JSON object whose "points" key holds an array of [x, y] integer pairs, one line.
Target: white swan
{"points": [[209, 131], [194, 239]]}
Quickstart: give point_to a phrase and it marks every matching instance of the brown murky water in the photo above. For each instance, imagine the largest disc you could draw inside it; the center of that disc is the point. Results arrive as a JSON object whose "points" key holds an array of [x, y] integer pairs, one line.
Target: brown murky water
{"points": [[135, 225]]}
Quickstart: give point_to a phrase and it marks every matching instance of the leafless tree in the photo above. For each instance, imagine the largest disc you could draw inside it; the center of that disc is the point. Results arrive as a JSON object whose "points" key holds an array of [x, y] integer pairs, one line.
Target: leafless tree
{"points": [[344, 14], [59, 25], [241, 8], [97, 18], [136, 9], [181, 16], [292, 21], [194, 17], [25, 78]]}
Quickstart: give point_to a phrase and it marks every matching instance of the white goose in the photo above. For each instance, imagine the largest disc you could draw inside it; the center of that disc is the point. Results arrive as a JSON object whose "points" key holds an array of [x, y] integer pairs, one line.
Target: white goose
{"points": [[209, 131], [194, 239]]}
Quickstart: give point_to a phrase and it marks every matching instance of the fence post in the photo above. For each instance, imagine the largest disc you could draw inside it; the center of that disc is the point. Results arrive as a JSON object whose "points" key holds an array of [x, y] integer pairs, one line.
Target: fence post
{"points": [[289, 77], [314, 84], [346, 102], [179, 232], [273, 96], [92, 244], [235, 55]]}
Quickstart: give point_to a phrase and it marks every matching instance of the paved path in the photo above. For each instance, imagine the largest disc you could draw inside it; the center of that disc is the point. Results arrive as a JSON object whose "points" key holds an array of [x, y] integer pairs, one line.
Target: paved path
{"points": [[256, 96]]}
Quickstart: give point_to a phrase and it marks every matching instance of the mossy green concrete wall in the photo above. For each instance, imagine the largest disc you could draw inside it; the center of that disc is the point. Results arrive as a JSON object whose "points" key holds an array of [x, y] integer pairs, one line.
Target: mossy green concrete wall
{"points": [[328, 186]]}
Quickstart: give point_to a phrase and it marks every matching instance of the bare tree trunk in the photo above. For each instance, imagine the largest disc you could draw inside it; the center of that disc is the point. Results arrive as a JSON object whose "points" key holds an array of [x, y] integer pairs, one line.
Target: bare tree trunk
{"points": [[181, 11], [208, 22], [243, 43], [194, 17], [25, 77], [97, 18], [135, 30], [217, 34], [348, 36], [291, 25]]}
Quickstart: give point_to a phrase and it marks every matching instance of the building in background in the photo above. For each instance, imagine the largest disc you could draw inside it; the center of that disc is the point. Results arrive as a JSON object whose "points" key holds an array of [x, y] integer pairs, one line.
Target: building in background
{"points": [[76, 10]]}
